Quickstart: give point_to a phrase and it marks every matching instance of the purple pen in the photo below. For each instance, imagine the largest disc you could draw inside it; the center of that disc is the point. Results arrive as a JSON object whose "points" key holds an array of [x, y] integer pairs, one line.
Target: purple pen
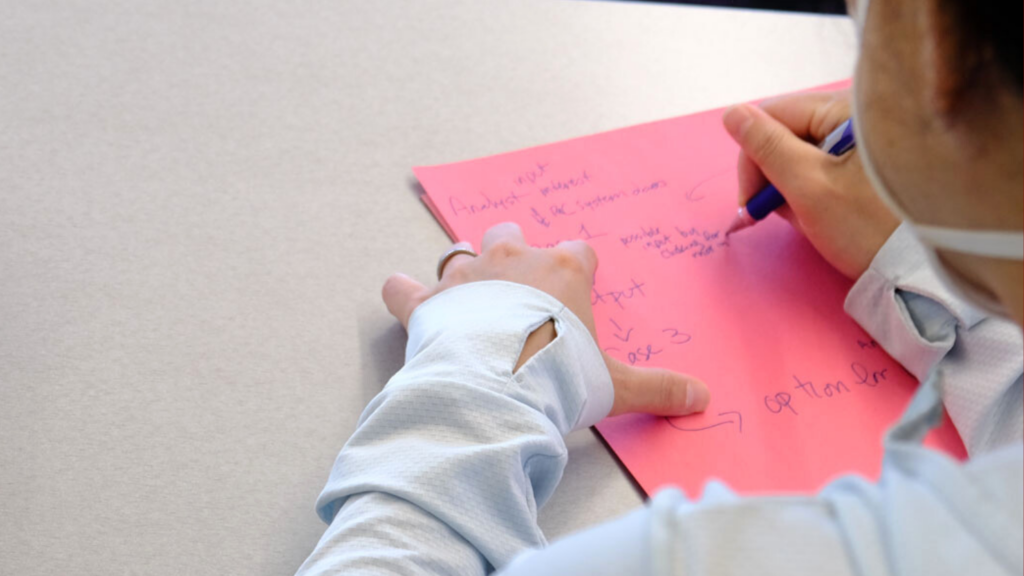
{"points": [[839, 142]]}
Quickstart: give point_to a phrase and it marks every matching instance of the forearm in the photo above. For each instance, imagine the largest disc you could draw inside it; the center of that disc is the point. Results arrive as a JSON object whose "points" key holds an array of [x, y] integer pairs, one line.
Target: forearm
{"points": [[926, 515], [376, 533], [458, 451]]}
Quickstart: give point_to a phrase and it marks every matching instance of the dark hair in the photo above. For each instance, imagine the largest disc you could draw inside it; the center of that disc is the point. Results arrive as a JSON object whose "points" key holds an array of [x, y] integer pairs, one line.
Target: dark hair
{"points": [[989, 36]]}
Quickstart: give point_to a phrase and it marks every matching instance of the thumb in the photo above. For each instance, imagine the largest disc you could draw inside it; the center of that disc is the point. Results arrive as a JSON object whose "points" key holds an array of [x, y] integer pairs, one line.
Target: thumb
{"points": [[402, 295], [655, 390], [783, 158]]}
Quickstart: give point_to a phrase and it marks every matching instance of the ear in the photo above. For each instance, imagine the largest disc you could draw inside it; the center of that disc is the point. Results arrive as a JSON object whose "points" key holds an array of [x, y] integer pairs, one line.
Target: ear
{"points": [[952, 68]]}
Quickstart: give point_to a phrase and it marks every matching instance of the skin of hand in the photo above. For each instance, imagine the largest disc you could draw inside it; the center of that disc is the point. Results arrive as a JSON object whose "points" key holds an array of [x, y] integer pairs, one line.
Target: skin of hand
{"points": [[828, 198], [565, 272]]}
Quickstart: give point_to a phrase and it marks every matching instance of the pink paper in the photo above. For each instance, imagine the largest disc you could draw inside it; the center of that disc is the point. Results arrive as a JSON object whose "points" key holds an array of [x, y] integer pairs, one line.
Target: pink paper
{"points": [[800, 393]]}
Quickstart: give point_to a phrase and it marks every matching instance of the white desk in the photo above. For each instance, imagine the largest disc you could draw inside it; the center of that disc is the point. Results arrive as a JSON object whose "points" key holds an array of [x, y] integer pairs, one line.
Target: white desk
{"points": [[199, 202]]}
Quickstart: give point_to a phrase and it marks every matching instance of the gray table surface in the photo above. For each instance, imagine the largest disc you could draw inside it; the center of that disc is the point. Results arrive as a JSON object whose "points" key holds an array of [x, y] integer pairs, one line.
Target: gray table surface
{"points": [[199, 202]]}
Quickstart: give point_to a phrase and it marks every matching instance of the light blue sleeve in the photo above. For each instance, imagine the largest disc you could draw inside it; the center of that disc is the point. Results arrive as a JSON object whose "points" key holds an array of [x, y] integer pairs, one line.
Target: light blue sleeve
{"points": [[927, 515], [451, 461], [906, 308]]}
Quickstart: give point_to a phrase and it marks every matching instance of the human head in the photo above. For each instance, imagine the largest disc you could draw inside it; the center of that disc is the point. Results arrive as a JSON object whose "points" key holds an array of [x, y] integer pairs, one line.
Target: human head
{"points": [[938, 90]]}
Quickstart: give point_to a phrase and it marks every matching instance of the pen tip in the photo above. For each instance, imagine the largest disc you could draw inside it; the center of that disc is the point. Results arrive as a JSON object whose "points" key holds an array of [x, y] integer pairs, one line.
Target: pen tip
{"points": [[741, 221], [734, 226]]}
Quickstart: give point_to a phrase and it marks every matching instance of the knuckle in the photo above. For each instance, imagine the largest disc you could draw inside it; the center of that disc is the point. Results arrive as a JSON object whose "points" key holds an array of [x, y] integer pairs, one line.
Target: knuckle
{"points": [[840, 103], [671, 393], [456, 273], [566, 260], [585, 249], [826, 117], [769, 143], [504, 249]]}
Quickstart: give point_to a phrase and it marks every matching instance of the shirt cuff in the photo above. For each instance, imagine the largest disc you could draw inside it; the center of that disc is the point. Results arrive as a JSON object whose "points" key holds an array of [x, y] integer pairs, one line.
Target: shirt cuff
{"points": [[904, 306], [481, 327]]}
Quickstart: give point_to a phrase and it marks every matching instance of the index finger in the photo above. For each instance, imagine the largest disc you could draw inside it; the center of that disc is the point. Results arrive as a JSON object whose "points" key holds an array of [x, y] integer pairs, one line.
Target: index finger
{"points": [[504, 232], [811, 116]]}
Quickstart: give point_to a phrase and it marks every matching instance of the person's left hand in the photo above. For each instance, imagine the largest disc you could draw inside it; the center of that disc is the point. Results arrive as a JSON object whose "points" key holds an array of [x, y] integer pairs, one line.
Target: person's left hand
{"points": [[566, 272]]}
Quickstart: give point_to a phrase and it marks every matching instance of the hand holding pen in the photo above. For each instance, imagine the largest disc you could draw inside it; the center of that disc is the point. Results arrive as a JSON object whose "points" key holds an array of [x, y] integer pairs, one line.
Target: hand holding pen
{"points": [[760, 205], [826, 197]]}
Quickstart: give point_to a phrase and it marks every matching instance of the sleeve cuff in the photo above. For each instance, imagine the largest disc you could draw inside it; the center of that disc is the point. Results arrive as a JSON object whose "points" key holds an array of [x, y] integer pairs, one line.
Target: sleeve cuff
{"points": [[904, 306], [480, 327]]}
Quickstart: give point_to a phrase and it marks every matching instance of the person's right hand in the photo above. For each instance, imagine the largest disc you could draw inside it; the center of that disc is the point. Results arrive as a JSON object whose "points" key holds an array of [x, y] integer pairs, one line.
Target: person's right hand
{"points": [[829, 199]]}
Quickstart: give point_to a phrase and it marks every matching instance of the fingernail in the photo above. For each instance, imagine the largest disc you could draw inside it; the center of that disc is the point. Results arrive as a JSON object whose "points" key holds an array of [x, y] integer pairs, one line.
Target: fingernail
{"points": [[736, 119], [697, 398]]}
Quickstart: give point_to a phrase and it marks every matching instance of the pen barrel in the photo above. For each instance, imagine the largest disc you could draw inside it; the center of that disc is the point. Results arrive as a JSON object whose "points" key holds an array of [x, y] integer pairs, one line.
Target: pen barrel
{"points": [[765, 202]]}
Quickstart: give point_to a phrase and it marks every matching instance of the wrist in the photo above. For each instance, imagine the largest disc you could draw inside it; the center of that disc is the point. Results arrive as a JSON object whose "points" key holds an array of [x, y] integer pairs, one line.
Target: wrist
{"points": [[514, 340]]}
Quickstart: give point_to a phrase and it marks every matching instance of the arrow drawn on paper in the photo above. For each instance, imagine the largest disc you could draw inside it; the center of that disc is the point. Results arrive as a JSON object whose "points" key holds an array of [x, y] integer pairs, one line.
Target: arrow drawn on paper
{"points": [[738, 422]]}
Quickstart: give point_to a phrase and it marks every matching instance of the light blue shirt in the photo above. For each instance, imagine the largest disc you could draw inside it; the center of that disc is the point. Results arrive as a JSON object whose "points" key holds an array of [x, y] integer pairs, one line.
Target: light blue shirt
{"points": [[451, 461]]}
